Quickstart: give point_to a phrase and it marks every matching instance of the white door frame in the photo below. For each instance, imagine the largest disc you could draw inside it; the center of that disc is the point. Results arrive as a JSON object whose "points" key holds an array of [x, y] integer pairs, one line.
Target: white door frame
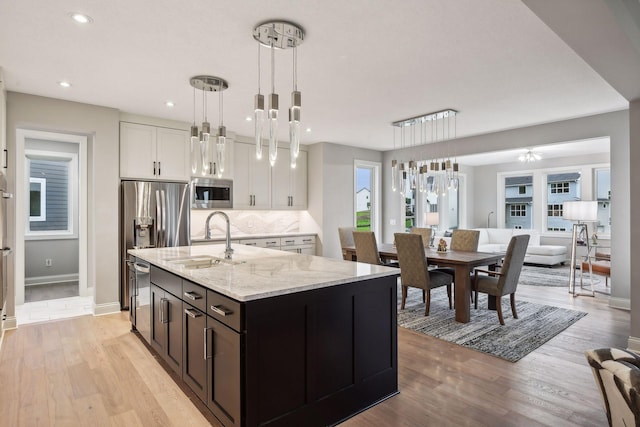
{"points": [[21, 199]]}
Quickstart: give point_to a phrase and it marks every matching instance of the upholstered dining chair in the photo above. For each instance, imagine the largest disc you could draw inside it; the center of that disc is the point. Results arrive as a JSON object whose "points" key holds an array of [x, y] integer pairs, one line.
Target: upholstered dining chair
{"points": [[366, 247], [414, 271], [462, 240], [617, 374], [505, 282], [346, 239], [424, 232]]}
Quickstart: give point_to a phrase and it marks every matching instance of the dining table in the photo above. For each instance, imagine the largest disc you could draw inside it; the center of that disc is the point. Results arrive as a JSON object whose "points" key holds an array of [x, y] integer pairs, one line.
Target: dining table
{"points": [[462, 261]]}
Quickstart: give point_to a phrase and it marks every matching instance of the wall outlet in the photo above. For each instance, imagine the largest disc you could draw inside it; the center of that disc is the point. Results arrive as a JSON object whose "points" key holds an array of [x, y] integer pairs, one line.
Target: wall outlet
{"points": [[392, 221], [48, 262]]}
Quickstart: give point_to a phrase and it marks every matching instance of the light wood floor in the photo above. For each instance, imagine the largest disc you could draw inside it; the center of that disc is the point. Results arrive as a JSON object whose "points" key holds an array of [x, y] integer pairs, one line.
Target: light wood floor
{"points": [[93, 371]]}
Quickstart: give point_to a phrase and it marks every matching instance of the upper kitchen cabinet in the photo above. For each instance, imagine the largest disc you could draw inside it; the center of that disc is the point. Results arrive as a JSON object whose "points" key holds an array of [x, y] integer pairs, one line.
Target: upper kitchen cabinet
{"points": [[213, 164], [251, 178], [150, 152], [3, 123], [289, 185]]}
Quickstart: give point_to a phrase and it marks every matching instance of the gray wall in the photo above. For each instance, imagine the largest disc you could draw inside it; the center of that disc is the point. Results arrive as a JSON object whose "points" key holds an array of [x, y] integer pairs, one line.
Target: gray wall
{"points": [[101, 126], [330, 190], [615, 125], [62, 252]]}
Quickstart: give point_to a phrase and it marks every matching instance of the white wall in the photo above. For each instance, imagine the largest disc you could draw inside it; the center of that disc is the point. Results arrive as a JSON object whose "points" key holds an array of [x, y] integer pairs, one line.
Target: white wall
{"points": [[615, 125], [101, 126], [330, 191]]}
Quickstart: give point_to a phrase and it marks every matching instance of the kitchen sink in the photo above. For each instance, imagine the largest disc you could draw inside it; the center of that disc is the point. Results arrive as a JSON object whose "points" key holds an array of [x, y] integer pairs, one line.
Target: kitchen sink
{"points": [[202, 261]]}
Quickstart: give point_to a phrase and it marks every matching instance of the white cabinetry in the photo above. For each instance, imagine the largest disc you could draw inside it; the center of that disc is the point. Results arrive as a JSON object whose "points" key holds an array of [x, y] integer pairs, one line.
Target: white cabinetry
{"points": [[227, 173], [289, 186], [3, 123], [299, 244], [151, 152], [266, 242], [251, 179]]}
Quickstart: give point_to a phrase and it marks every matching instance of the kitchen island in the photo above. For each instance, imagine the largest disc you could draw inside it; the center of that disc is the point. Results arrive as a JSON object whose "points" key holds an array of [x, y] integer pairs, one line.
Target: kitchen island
{"points": [[270, 337]]}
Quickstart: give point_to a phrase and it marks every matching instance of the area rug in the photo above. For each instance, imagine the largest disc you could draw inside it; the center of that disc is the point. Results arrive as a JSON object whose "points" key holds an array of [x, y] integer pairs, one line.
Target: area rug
{"points": [[536, 324], [550, 276]]}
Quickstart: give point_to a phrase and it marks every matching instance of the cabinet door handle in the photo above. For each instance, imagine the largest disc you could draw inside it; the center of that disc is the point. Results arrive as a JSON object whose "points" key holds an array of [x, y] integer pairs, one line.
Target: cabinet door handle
{"points": [[160, 312], [289, 242], [221, 310], [206, 343], [192, 296], [154, 168], [6, 158], [192, 313], [165, 306], [159, 173]]}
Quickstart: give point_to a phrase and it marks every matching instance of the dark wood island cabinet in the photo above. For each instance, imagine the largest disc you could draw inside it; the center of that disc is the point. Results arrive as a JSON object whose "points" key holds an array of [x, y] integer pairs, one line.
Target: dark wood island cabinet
{"points": [[301, 355]]}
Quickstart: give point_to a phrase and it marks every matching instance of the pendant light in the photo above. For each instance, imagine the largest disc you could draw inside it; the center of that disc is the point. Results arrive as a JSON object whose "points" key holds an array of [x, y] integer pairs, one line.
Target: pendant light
{"points": [[278, 35], [294, 113], [222, 137], [194, 138], [258, 114], [206, 84]]}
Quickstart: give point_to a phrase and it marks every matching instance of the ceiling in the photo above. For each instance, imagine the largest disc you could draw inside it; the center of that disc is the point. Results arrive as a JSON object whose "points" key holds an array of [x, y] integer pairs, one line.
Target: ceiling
{"points": [[363, 64]]}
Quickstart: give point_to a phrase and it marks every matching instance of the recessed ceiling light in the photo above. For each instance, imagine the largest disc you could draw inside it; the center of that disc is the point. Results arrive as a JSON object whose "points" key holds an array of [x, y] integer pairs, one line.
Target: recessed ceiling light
{"points": [[64, 83], [81, 18], [248, 118], [169, 103], [308, 129]]}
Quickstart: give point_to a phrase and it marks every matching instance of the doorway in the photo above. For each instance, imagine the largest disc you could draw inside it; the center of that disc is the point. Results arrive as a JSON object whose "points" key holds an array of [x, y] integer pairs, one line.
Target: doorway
{"points": [[51, 226]]}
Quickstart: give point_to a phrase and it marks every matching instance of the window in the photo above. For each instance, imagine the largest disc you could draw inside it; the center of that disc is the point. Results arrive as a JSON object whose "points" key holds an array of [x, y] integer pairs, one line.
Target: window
{"points": [[559, 187], [366, 194], [518, 191], [51, 182], [37, 196], [554, 210], [518, 210]]}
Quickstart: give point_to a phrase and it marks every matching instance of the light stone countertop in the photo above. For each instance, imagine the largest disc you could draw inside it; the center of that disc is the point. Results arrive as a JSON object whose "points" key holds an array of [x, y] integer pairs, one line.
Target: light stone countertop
{"points": [[221, 238], [258, 273]]}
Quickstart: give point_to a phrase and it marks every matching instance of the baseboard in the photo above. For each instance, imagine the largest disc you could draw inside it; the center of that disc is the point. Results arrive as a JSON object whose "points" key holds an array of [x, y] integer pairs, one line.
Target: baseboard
{"points": [[9, 323], [58, 278], [633, 344], [621, 303], [107, 308]]}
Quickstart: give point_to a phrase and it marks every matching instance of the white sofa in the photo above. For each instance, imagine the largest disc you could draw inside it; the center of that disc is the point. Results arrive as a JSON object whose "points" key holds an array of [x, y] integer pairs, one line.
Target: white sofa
{"points": [[497, 240]]}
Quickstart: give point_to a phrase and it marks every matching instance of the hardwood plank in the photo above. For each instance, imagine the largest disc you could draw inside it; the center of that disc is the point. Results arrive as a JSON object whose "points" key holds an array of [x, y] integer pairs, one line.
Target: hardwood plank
{"points": [[93, 371]]}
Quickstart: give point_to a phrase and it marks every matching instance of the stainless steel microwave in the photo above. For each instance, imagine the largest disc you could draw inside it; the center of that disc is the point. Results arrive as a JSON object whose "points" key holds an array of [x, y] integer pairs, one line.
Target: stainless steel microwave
{"points": [[211, 193]]}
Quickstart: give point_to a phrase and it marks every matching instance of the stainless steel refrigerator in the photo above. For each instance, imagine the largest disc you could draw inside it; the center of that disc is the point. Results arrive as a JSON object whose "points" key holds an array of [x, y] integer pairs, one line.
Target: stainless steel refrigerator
{"points": [[4, 249], [152, 215]]}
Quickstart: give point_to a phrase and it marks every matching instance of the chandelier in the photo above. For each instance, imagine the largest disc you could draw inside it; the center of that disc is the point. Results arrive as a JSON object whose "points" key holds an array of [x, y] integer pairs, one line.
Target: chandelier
{"points": [[529, 157], [436, 175], [202, 137], [278, 35]]}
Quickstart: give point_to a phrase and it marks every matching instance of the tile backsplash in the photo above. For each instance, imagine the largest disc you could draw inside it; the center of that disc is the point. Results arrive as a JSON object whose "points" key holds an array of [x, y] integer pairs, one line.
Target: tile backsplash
{"points": [[246, 223]]}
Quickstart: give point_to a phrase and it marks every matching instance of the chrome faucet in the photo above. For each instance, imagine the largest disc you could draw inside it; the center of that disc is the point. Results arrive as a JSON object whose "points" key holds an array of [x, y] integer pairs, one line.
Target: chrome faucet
{"points": [[207, 232]]}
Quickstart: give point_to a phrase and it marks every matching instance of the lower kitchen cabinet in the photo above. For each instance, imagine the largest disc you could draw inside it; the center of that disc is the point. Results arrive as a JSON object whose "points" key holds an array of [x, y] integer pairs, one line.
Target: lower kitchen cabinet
{"points": [[223, 372], [194, 359], [166, 327]]}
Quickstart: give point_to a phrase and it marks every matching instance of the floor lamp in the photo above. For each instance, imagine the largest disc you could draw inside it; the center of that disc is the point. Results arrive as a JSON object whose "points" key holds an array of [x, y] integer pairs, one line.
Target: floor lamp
{"points": [[432, 219], [580, 211]]}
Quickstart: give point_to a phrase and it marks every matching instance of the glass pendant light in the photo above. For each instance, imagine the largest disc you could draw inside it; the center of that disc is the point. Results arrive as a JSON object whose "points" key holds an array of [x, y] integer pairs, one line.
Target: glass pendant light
{"points": [[280, 35], [273, 113], [222, 137], [394, 175], [258, 114], [204, 136], [294, 113], [194, 138]]}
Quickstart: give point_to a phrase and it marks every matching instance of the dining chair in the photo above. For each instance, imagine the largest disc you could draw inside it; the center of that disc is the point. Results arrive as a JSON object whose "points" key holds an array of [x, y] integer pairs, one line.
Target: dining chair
{"points": [[366, 247], [617, 374], [346, 239], [414, 271], [462, 240], [505, 281], [424, 232]]}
